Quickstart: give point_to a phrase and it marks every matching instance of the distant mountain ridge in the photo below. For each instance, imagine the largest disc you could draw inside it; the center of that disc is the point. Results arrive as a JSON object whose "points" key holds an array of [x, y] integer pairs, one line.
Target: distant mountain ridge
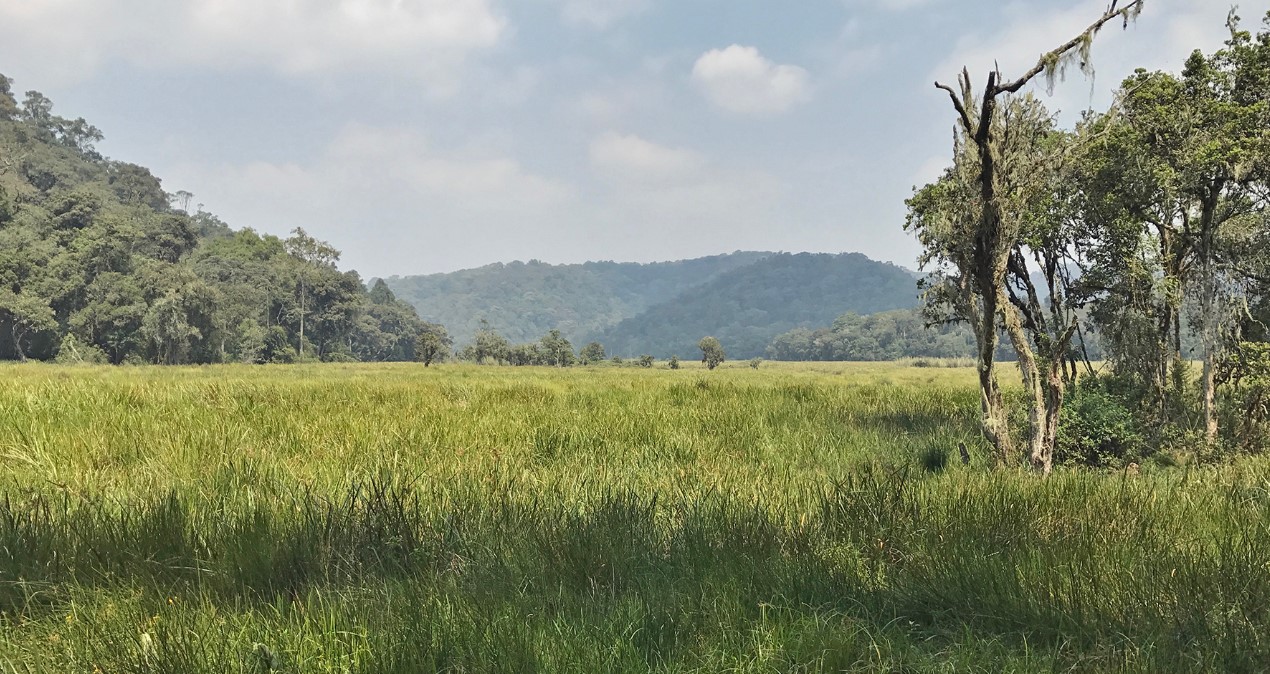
{"points": [[744, 298], [747, 307], [523, 300]]}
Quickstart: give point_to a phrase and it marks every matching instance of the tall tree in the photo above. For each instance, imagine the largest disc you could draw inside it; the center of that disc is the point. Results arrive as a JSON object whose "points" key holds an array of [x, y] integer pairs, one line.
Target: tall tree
{"points": [[994, 181], [9, 109], [311, 258], [1213, 154], [1187, 164]]}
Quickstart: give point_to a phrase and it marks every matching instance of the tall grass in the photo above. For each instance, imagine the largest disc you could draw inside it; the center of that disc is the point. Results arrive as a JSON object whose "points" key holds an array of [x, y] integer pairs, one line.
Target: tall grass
{"points": [[925, 361], [392, 519]]}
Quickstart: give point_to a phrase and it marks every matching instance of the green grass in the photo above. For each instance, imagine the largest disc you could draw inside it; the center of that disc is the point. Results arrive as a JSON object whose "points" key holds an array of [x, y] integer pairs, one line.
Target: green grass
{"points": [[808, 518]]}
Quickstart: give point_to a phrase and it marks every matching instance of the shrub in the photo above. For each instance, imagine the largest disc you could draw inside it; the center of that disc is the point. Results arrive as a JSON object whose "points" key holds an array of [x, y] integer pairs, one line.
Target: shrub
{"points": [[645, 361], [1097, 429], [674, 362], [926, 361], [1246, 413], [74, 352], [712, 354], [756, 362]]}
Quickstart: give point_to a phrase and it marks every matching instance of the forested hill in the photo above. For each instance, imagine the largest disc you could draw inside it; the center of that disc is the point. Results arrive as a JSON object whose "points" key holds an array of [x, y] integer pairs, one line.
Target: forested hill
{"points": [[98, 263], [523, 300], [747, 307]]}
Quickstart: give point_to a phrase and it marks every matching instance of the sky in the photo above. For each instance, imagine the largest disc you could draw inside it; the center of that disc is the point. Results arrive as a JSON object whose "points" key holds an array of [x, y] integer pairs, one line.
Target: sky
{"points": [[423, 136]]}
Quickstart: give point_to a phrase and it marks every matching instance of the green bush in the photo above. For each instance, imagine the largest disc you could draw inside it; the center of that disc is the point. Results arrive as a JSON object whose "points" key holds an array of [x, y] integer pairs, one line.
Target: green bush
{"points": [[1097, 429], [75, 352], [1245, 406]]}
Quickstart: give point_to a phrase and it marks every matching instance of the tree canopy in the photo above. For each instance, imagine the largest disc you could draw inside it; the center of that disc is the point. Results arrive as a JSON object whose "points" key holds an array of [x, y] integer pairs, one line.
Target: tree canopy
{"points": [[1141, 224], [99, 263]]}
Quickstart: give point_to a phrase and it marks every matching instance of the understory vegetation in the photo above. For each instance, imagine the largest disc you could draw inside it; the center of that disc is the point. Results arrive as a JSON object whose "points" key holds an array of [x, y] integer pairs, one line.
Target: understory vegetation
{"points": [[380, 518]]}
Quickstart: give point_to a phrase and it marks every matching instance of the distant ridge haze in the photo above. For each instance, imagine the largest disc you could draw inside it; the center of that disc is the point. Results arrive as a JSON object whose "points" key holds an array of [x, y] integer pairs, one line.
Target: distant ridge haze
{"points": [[745, 298], [523, 300]]}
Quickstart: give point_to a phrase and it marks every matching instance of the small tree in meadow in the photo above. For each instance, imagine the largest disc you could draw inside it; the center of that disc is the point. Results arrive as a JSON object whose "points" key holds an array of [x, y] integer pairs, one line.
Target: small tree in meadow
{"points": [[592, 353], [674, 362], [712, 353], [557, 350], [432, 345]]}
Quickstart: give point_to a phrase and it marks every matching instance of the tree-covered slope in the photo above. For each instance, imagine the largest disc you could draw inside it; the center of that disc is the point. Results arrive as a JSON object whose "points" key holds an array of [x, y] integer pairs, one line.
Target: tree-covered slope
{"points": [[99, 263], [887, 335], [524, 300], [747, 307]]}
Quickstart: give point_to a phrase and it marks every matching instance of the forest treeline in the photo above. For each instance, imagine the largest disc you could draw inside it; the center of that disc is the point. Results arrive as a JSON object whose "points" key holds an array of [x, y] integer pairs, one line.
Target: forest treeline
{"points": [[886, 335], [98, 263]]}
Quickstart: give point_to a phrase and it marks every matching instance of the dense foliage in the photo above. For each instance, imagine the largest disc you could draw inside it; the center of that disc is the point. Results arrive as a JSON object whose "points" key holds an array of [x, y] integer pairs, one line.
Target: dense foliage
{"points": [[99, 263], [747, 307], [886, 335], [1143, 224], [524, 300]]}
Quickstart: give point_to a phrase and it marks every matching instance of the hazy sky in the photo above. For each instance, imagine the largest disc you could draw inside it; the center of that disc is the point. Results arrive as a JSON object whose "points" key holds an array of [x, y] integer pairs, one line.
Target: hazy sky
{"points": [[430, 135]]}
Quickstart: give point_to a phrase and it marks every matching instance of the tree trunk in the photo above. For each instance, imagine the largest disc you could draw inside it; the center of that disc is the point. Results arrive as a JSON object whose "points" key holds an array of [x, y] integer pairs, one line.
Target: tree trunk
{"points": [[1208, 381], [301, 319], [1210, 400], [17, 341], [1040, 453], [1054, 391], [1208, 313], [993, 420]]}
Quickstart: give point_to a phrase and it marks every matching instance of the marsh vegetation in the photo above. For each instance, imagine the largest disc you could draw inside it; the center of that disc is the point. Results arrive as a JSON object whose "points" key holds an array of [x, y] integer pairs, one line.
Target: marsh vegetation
{"points": [[391, 518]]}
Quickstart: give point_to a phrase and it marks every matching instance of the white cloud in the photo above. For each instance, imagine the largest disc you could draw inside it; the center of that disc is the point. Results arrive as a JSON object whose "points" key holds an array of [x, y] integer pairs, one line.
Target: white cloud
{"points": [[305, 37], [394, 203], [632, 157], [618, 100], [660, 193], [742, 80], [600, 13], [311, 35], [390, 199]]}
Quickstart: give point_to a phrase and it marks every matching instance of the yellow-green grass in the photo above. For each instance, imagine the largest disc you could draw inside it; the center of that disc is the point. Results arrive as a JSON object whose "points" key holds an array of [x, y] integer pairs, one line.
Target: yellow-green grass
{"points": [[142, 430], [392, 518]]}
